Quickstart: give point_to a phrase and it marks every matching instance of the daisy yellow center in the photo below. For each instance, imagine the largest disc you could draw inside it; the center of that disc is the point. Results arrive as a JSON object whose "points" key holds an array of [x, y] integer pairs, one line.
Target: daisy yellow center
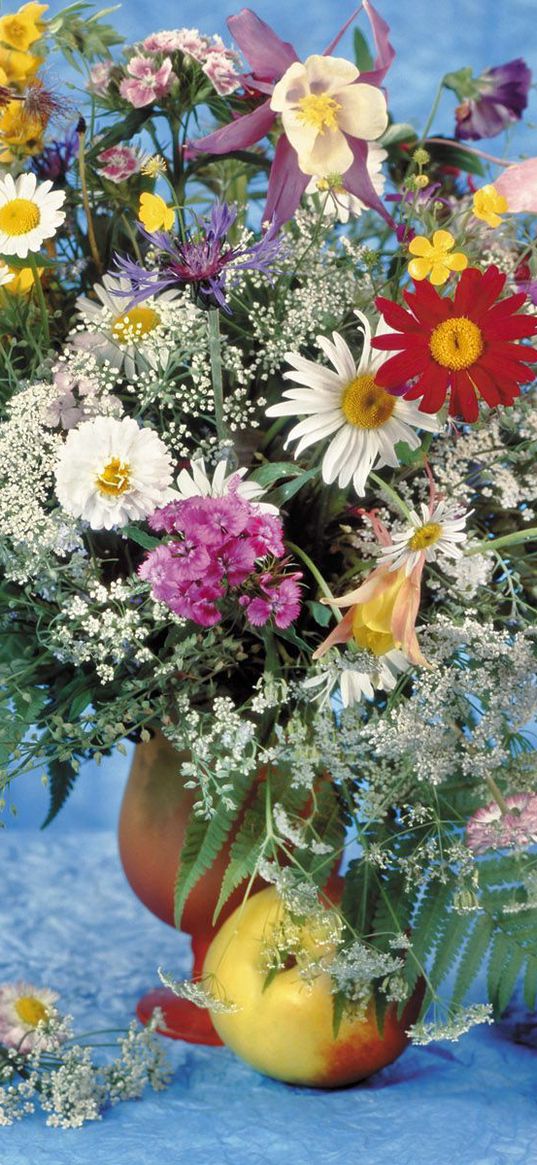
{"points": [[456, 343], [140, 320], [19, 217], [365, 404], [426, 536], [319, 110], [114, 478], [30, 1010]]}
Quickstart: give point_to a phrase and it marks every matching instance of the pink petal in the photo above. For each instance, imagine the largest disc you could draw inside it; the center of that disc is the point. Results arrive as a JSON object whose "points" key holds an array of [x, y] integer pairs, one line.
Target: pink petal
{"points": [[385, 52], [518, 184], [341, 634], [268, 55], [330, 48], [238, 135], [286, 184], [358, 182]]}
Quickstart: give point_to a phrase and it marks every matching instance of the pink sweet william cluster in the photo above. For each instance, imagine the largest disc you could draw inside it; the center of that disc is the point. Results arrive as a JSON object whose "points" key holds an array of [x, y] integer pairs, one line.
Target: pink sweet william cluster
{"points": [[221, 548]]}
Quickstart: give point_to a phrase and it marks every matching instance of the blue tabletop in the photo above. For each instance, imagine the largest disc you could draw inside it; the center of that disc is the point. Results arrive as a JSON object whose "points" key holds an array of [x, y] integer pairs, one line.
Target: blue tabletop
{"points": [[77, 927]]}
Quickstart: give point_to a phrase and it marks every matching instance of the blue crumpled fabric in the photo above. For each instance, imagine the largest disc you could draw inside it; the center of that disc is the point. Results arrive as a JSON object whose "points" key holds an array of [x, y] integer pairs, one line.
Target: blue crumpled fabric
{"points": [[69, 920]]}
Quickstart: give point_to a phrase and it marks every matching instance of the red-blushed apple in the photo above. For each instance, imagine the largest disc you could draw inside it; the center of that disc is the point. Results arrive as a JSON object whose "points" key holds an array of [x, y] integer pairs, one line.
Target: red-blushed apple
{"points": [[285, 1028]]}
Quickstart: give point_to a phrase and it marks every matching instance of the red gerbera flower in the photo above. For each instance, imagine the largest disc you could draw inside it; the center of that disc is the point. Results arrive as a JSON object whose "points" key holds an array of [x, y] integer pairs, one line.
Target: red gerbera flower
{"points": [[464, 344]]}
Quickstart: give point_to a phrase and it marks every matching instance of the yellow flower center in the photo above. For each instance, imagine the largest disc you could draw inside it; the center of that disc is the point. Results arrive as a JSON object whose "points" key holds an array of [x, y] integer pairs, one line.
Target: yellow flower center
{"points": [[456, 343], [319, 110], [140, 320], [30, 1010], [19, 217], [426, 536], [366, 405], [114, 478]]}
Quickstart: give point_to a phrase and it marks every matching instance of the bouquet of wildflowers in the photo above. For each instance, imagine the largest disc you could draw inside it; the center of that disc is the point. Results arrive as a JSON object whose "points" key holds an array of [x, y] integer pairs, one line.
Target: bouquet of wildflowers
{"points": [[268, 425]]}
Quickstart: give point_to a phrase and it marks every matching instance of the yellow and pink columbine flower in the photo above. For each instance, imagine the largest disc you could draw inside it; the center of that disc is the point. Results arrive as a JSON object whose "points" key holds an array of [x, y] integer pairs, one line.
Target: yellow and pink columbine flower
{"points": [[329, 112]]}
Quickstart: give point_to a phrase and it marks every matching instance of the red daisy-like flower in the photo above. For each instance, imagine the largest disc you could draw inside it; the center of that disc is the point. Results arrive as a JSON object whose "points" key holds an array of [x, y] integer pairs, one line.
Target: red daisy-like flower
{"points": [[465, 344]]}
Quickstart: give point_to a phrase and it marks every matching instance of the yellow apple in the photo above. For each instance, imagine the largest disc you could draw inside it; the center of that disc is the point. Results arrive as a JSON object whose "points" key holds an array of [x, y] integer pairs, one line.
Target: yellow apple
{"points": [[285, 1030]]}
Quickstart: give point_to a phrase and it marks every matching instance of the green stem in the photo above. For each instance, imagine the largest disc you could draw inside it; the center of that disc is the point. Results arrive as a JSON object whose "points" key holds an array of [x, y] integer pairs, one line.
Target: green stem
{"points": [[492, 544], [215, 356], [32, 262], [432, 114], [497, 793], [323, 585], [392, 495]]}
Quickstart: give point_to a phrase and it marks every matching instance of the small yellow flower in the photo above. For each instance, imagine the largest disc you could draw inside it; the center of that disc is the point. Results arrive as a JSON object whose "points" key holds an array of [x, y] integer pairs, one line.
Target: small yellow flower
{"points": [[434, 261], [489, 205], [20, 29], [21, 135], [17, 67], [154, 214], [22, 281]]}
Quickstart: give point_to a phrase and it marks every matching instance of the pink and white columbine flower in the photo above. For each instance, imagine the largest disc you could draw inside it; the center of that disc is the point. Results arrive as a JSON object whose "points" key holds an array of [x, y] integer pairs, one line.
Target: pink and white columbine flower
{"points": [[324, 129], [22, 1008], [437, 533], [119, 163], [146, 83], [336, 200], [322, 107], [489, 828]]}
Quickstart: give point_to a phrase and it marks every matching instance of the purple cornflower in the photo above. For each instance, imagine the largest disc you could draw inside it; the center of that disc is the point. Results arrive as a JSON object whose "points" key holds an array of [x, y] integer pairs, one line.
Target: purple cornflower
{"points": [[205, 261], [498, 98], [221, 548], [55, 160]]}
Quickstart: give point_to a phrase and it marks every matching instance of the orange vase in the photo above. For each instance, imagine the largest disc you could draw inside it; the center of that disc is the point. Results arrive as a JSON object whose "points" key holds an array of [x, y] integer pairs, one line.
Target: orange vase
{"points": [[154, 814]]}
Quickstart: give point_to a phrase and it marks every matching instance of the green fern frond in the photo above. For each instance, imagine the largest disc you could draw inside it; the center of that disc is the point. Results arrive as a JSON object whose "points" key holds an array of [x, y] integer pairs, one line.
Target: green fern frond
{"points": [[203, 842], [472, 957]]}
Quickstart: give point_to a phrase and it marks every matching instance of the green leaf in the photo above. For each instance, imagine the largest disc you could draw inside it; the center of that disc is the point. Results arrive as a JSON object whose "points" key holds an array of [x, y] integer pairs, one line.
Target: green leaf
{"points": [[530, 982], [338, 1012], [245, 852], [472, 957], [448, 153], [453, 932], [284, 493], [362, 52], [62, 777], [148, 541], [267, 474], [400, 131], [204, 840], [322, 615], [19, 264]]}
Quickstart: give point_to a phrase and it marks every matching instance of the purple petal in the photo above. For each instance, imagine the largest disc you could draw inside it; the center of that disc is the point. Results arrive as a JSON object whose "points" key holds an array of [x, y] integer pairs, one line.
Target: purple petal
{"points": [[267, 54], [286, 184], [385, 52], [238, 135], [327, 52], [358, 182]]}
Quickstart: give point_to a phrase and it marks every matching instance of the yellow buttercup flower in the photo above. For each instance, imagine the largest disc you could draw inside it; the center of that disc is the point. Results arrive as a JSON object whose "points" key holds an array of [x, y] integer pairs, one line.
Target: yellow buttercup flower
{"points": [[22, 280], [154, 214], [17, 67], [21, 135], [489, 205], [21, 29], [434, 260]]}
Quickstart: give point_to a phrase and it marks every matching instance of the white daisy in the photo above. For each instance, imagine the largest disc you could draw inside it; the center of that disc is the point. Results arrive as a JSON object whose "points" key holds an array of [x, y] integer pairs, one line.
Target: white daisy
{"points": [[338, 201], [364, 421], [199, 484], [111, 472], [29, 214], [434, 533], [113, 332], [22, 1008], [368, 673], [6, 276]]}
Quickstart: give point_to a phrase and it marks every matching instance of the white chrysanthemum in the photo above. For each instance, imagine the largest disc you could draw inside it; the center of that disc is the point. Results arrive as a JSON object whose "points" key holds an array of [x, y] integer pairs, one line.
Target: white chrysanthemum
{"points": [[29, 214], [364, 421], [111, 472], [368, 674], [22, 1008], [113, 332], [321, 106], [338, 201], [434, 533], [199, 484]]}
